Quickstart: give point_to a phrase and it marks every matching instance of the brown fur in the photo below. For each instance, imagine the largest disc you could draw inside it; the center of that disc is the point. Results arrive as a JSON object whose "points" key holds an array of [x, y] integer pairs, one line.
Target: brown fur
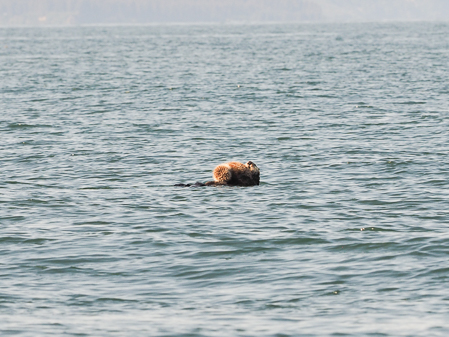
{"points": [[236, 174]]}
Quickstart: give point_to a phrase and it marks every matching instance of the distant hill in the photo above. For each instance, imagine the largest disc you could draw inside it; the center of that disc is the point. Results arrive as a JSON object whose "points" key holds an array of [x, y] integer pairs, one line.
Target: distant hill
{"points": [[75, 12]]}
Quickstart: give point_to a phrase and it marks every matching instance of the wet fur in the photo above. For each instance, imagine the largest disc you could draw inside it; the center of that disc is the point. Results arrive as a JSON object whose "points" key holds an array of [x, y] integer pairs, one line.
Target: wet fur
{"points": [[232, 174], [236, 174]]}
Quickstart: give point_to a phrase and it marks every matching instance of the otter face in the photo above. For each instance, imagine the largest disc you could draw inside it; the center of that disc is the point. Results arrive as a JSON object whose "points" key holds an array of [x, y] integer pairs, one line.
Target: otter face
{"points": [[252, 166], [255, 172]]}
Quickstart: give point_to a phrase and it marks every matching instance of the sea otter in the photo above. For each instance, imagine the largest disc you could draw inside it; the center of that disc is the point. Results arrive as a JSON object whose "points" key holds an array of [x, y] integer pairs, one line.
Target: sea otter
{"points": [[232, 174]]}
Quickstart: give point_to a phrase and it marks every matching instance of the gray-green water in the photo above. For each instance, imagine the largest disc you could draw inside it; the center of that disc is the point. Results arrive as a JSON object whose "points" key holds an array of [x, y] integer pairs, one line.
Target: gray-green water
{"points": [[347, 235]]}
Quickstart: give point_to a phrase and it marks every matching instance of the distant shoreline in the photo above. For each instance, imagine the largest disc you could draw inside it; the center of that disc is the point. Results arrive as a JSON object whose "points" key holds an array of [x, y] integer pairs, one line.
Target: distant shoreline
{"points": [[18, 13]]}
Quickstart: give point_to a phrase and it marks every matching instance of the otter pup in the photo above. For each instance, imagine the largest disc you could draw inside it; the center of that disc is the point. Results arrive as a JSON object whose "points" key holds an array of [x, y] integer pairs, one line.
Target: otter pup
{"points": [[232, 174]]}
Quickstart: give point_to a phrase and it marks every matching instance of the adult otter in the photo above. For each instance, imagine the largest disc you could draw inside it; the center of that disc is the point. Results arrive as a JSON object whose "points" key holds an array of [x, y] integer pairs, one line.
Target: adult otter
{"points": [[232, 174]]}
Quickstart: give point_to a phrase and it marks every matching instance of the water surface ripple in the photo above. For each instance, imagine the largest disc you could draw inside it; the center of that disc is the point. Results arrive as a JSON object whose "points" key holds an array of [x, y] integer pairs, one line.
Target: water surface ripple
{"points": [[345, 236]]}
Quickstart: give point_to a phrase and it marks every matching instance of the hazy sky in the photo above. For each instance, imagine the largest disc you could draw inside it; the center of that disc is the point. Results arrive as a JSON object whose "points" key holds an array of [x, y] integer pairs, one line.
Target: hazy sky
{"points": [[67, 12]]}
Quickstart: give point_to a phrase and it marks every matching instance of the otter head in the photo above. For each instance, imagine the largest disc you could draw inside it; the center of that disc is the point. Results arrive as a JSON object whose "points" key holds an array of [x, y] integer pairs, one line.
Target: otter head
{"points": [[255, 172], [251, 166]]}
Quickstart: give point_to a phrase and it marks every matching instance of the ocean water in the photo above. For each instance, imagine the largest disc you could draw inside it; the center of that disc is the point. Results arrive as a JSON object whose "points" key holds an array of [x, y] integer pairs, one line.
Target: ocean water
{"points": [[347, 234]]}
